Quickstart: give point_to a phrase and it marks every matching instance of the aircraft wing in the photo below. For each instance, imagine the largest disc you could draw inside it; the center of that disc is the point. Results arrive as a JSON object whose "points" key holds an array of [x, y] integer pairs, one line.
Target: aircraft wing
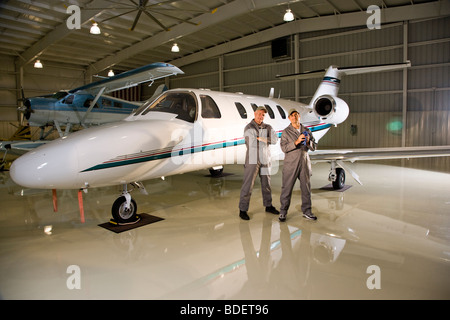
{"points": [[379, 153], [20, 147], [131, 78]]}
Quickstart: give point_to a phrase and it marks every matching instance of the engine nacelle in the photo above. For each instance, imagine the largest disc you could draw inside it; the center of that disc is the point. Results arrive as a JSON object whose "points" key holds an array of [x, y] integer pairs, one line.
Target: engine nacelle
{"points": [[330, 109]]}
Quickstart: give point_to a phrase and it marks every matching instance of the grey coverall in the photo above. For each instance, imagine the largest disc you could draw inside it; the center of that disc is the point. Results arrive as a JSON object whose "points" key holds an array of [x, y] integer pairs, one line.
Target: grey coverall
{"points": [[297, 165], [257, 161]]}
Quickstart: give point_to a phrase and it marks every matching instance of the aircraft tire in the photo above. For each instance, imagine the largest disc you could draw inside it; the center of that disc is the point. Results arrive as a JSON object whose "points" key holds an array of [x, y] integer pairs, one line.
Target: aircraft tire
{"points": [[216, 173], [121, 215], [340, 179]]}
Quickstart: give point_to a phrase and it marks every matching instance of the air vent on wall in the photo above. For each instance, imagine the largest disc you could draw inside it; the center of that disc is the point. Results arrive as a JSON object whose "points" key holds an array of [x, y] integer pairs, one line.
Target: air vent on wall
{"points": [[281, 48]]}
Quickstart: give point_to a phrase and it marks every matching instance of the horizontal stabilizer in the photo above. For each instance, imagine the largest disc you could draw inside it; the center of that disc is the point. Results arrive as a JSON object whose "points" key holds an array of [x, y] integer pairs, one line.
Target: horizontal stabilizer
{"points": [[346, 71], [378, 68]]}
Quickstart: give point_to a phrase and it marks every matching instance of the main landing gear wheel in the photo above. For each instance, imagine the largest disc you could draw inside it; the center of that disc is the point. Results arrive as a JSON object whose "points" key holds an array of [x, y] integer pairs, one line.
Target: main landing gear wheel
{"points": [[121, 214], [215, 173], [339, 183]]}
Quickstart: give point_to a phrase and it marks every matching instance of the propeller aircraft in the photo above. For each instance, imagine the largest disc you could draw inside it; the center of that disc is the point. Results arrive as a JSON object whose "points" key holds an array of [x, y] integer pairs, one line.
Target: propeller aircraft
{"points": [[84, 106], [186, 130], [88, 104]]}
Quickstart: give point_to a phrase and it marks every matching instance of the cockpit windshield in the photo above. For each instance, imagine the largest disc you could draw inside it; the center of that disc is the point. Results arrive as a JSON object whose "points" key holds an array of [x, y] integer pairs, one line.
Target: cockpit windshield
{"points": [[183, 104], [59, 95]]}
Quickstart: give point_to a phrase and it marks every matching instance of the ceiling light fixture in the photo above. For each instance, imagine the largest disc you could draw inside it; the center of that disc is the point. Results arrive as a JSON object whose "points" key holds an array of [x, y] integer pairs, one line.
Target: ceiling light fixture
{"points": [[38, 64], [175, 48], [111, 73], [95, 29], [288, 16]]}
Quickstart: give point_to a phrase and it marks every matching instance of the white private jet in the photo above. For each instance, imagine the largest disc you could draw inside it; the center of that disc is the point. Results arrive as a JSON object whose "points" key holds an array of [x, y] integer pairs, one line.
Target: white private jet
{"points": [[185, 130]]}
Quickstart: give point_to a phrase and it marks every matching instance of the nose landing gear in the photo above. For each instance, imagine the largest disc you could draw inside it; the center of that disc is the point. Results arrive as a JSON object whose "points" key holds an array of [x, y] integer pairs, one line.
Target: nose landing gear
{"points": [[124, 212], [124, 209]]}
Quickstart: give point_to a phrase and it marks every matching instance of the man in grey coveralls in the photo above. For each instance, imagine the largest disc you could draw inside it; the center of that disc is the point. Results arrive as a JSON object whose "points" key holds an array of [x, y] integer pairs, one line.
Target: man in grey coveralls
{"points": [[258, 136], [297, 165]]}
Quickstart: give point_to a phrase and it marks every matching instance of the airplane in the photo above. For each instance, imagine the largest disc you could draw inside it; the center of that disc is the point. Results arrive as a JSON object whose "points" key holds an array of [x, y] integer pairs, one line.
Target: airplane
{"points": [[185, 130], [87, 105]]}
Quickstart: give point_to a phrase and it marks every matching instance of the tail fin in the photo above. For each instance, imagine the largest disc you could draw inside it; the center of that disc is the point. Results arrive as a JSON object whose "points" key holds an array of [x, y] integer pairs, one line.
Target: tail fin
{"points": [[330, 83], [332, 79]]}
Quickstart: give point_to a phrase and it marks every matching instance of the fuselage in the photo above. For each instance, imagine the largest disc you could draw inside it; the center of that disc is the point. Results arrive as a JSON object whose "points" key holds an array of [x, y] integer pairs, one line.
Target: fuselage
{"points": [[72, 108], [182, 130]]}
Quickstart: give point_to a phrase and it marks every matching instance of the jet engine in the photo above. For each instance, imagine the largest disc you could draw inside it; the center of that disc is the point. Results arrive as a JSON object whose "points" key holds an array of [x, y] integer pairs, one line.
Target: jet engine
{"points": [[330, 109]]}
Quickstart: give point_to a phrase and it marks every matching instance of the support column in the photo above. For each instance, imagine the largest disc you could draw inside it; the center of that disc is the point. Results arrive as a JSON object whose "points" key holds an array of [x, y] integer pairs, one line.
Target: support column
{"points": [[221, 72], [405, 83], [19, 85], [297, 66]]}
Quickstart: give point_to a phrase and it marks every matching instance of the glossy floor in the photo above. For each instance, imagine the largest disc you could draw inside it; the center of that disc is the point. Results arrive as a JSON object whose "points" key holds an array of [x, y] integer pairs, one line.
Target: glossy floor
{"points": [[387, 239]]}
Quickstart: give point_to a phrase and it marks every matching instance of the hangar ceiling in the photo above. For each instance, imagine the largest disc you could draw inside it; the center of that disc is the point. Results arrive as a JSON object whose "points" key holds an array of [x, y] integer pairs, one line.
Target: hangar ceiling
{"points": [[37, 29]]}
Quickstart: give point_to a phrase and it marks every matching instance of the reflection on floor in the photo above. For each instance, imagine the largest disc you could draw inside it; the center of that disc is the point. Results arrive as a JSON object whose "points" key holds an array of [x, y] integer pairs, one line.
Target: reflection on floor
{"points": [[387, 239]]}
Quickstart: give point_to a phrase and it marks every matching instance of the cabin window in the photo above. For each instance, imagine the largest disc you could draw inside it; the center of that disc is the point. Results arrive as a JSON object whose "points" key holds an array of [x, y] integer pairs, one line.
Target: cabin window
{"points": [[282, 113], [88, 102], [183, 104], [270, 111], [118, 104], [209, 108], [106, 103], [241, 110], [69, 99]]}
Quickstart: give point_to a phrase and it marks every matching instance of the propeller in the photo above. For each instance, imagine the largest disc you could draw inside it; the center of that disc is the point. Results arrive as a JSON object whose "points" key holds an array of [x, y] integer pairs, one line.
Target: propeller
{"points": [[150, 9], [25, 109], [142, 4]]}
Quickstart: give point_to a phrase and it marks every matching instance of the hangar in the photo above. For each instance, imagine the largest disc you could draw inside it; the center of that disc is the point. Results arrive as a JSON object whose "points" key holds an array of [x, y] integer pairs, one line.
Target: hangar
{"points": [[385, 239]]}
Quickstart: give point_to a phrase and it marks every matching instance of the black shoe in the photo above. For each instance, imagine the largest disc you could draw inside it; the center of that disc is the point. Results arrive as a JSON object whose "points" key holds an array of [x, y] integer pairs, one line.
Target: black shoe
{"points": [[243, 215], [310, 216], [282, 217], [272, 209]]}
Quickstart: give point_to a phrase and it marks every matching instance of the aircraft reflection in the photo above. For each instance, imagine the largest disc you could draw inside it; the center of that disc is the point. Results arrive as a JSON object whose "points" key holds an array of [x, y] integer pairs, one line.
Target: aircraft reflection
{"points": [[202, 250]]}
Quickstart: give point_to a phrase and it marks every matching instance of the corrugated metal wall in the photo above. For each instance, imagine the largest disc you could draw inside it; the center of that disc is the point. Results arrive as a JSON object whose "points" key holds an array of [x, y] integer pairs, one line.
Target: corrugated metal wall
{"points": [[376, 101]]}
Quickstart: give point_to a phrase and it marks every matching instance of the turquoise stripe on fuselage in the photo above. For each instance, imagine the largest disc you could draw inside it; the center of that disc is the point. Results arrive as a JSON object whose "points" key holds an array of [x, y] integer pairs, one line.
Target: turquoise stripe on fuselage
{"points": [[183, 151]]}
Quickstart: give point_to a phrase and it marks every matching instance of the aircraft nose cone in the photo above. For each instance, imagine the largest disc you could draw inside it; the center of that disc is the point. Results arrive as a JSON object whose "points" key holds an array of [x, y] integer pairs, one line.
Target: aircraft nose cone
{"points": [[51, 166]]}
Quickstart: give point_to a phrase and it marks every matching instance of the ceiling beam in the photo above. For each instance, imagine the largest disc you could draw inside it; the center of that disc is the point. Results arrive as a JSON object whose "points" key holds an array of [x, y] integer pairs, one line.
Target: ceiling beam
{"points": [[60, 32], [354, 19], [223, 13]]}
